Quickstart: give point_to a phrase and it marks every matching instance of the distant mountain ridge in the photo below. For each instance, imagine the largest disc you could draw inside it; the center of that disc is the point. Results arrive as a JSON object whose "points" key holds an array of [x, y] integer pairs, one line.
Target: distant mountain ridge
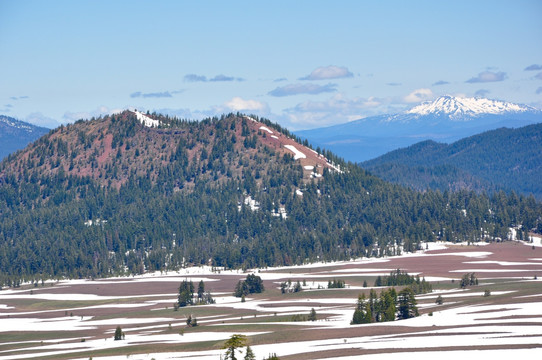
{"points": [[446, 119], [502, 159], [16, 134]]}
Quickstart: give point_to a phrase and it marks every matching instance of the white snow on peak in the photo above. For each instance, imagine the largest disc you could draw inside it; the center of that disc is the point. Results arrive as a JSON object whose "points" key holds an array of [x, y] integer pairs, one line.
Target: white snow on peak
{"points": [[458, 107], [297, 154], [145, 120]]}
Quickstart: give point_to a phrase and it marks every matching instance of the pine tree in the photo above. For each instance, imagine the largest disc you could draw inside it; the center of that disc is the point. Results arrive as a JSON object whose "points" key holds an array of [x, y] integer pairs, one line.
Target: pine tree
{"points": [[312, 315], [235, 342], [186, 294], [407, 304], [201, 290], [118, 333], [249, 354]]}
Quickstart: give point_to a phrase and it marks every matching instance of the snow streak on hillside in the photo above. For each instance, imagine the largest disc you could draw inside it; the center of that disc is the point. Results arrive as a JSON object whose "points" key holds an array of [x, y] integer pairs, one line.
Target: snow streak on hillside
{"points": [[145, 120], [461, 107]]}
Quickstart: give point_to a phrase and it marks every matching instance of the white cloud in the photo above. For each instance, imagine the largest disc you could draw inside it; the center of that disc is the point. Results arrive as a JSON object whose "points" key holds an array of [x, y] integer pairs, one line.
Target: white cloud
{"points": [[296, 89], [328, 72], [419, 95], [488, 76], [337, 109], [235, 104], [240, 104], [39, 119]]}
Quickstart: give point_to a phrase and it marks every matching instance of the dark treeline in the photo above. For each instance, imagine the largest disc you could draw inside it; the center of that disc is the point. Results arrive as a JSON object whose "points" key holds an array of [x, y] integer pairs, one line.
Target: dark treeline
{"points": [[169, 201]]}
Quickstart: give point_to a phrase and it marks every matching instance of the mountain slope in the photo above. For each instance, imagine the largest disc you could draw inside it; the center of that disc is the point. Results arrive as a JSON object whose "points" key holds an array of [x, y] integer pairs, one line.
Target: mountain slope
{"points": [[15, 134], [505, 158], [131, 192], [446, 119]]}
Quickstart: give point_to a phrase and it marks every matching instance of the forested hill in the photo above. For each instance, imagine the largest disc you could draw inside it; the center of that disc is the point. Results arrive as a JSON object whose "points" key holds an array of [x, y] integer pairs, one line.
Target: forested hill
{"points": [[502, 159], [131, 192]]}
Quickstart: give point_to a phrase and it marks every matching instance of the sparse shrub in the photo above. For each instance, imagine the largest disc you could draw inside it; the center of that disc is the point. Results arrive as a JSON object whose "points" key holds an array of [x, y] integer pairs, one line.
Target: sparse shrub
{"points": [[336, 284], [298, 317], [468, 279], [312, 315]]}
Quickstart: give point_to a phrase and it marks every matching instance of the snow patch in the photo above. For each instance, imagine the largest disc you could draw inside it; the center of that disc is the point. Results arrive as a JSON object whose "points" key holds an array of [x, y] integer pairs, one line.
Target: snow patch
{"points": [[265, 129], [145, 120], [251, 203], [297, 154]]}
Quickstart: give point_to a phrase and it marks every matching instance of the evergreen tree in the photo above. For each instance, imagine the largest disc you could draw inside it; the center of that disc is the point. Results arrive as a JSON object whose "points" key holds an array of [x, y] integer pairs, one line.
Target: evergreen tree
{"points": [[201, 290], [253, 284], [235, 342], [407, 304], [186, 294], [249, 354], [118, 333], [312, 315]]}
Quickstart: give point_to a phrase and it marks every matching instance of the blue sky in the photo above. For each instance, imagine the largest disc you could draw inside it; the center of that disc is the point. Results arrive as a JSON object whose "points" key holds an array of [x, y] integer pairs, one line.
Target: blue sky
{"points": [[303, 64]]}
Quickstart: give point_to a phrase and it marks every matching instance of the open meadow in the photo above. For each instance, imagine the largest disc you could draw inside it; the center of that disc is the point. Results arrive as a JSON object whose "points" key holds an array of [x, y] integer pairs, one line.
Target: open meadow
{"points": [[76, 319]]}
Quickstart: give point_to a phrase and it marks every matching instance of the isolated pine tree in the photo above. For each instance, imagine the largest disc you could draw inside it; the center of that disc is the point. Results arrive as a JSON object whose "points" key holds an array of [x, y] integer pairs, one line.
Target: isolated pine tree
{"points": [[118, 333], [312, 315], [249, 354]]}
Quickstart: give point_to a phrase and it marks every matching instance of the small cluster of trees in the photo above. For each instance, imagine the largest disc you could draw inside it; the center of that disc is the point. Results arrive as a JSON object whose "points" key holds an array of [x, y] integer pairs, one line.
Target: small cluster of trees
{"points": [[191, 321], [252, 285], [286, 287], [389, 306], [186, 295], [336, 284], [398, 278], [311, 317], [469, 279]]}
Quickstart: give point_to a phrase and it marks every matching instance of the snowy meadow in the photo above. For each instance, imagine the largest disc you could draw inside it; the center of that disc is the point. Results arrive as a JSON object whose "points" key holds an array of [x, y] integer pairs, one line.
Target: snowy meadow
{"points": [[77, 319]]}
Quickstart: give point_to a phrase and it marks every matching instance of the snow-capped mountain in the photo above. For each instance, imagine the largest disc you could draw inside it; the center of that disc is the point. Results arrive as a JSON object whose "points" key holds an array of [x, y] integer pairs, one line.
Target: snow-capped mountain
{"points": [[15, 134], [445, 119], [460, 108]]}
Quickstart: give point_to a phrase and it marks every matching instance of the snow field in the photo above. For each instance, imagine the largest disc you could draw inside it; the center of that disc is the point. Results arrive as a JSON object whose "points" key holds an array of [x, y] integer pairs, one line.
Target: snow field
{"points": [[474, 325]]}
